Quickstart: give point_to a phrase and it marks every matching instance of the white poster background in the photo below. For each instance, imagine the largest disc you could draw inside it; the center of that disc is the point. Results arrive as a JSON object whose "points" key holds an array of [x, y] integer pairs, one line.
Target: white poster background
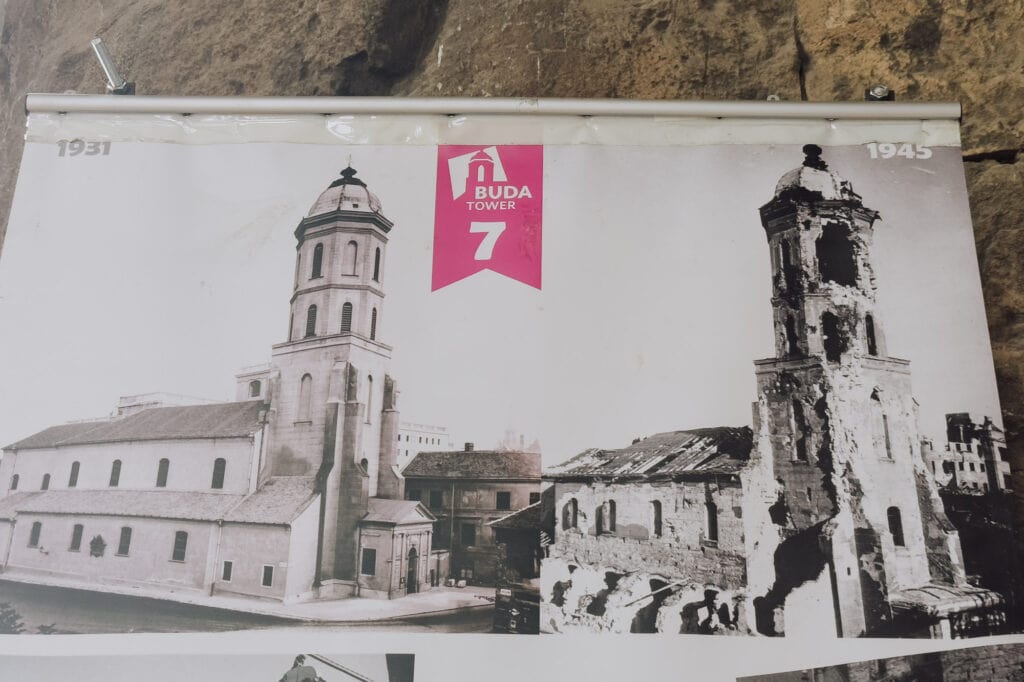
{"points": [[167, 266]]}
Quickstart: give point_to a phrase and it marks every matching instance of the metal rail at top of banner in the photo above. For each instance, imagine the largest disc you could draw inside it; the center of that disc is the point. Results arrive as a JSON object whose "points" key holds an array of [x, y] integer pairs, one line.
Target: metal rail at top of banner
{"points": [[54, 103]]}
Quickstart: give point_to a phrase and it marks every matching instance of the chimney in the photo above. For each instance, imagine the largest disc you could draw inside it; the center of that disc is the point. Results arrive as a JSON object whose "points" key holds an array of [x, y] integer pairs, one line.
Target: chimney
{"points": [[468, 447]]}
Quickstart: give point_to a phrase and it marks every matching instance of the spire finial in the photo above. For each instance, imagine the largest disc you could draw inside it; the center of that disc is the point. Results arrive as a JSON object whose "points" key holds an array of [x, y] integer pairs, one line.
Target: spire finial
{"points": [[812, 158]]}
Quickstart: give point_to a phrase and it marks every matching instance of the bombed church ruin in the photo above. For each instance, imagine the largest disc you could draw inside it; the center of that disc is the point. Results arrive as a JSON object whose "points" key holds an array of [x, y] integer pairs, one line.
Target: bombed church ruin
{"points": [[821, 517]]}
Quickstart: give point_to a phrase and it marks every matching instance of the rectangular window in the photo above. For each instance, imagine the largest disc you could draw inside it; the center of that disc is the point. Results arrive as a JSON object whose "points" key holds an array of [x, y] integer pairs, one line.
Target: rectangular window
{"points": [[268, 576], [504, 500], [436, 499], [76, 538], [180, 545], [413, 494], [369, 566], [468, 535], [225, 571], [534, 498], [125, 543]]}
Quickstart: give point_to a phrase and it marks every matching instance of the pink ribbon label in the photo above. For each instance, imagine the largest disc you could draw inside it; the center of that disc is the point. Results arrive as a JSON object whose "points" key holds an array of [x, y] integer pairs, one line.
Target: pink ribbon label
{"points": [[488, 212]]}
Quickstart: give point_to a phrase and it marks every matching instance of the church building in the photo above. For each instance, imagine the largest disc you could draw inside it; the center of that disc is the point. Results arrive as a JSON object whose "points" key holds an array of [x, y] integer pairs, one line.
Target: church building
{"points": [[290, 493], [821, 517]]}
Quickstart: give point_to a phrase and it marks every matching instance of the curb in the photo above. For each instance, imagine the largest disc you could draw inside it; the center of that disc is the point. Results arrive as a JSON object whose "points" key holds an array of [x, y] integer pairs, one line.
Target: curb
{"points": [[294, 618]]}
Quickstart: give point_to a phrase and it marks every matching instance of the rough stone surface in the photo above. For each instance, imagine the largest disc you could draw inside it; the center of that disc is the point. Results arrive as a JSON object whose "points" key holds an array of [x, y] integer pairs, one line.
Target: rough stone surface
{"points": [[815, 49]]}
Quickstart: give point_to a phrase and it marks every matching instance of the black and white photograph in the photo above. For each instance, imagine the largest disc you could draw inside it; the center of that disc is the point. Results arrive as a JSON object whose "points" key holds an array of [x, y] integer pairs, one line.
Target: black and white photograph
{"points": [[803, 435], [215, 468], [213, 668], [997, 662]]}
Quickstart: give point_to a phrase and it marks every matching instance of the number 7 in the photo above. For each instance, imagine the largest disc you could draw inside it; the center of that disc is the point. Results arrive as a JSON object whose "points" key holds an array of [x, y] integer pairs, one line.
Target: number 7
{"points": [[486, 248]]}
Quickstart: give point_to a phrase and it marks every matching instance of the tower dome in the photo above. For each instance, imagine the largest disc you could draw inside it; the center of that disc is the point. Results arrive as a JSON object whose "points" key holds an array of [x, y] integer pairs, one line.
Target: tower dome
{"points": [[814, 181], [347, 193]]}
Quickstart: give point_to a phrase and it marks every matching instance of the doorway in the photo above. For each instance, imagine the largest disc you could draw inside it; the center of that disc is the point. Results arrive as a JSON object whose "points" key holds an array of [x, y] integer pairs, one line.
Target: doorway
{"points": [[411, 582]]}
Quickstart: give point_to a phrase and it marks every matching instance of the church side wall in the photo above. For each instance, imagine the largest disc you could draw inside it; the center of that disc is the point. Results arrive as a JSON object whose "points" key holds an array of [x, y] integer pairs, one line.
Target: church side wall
{"points": [[148, 562], [190, 468], [302, 553], [249, 547], [683, 551]]}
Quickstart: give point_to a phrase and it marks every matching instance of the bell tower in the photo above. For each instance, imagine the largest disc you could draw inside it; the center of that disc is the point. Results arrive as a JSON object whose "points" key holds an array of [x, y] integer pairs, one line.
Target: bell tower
{"points": [[333, 407], [838, 411]]}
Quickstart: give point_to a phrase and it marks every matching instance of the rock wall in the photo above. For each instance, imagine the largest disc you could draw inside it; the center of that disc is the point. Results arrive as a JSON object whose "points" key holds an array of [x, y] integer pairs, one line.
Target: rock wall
{"points": [[925, 50]]}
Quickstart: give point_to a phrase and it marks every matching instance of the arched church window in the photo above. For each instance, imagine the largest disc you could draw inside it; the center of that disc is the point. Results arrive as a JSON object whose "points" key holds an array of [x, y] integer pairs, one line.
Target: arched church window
{"points": [[73, 477], [832, 337], [305, 396], [254, 389], [318, 261], [376, 265], [611, 516], [799, 432], [115, 473], [219, 465], [373, 324], [599, 519], [46, 482], [570, 514], [369, 398], [837, 260], [161, 473], [33, 536], [711, 521], [311, 321], [792, 339], [656, 514], [346, 317], [896, 526], [14, 481], [869, 326], [351, 257]]}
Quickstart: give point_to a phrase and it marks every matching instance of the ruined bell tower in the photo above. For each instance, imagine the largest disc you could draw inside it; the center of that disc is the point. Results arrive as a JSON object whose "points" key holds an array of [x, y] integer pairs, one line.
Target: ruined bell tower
{"points": [[857, 514]]}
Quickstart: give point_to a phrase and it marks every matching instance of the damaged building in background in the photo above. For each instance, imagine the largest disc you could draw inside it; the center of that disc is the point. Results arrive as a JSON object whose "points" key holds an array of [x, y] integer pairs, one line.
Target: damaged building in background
{"points": [[822, 517]]}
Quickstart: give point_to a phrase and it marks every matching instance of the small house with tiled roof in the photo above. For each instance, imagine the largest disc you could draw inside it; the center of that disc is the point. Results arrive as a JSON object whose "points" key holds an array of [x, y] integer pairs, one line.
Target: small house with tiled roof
{"points": [[466, 490], [291, 492]]}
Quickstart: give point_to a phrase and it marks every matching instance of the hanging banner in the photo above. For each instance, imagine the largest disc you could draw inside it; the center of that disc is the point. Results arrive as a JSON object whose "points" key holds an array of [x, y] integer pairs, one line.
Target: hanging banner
{"points": [[651, 370]]}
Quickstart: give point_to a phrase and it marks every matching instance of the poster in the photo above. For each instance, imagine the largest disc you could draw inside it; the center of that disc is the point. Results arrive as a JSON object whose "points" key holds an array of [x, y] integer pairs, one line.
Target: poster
{"points": [[416, 380]]}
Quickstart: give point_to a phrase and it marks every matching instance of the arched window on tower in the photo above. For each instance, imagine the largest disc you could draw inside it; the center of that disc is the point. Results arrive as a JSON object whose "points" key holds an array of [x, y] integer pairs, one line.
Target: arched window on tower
{"points": [[656, 514], [351, 258], [832, 338], [837, 261], [318, 262], [792, 339], [376, 265], [14, 481], [369, 398], [869, 327], [880, 423], [346, 317], [161, 473], [115, 473], [799, 432], [896, 526], [73, 477], [311, 321], [305, 396], [570, 514], [219, 465], [711, 522], [373, 324]]}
